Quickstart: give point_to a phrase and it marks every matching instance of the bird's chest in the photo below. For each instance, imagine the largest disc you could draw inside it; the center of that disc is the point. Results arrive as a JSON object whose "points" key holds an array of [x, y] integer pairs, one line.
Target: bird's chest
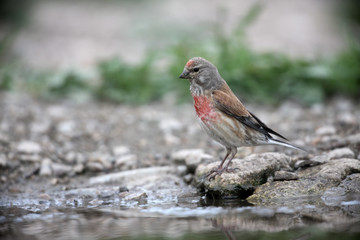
{"points": [[205, 109]]}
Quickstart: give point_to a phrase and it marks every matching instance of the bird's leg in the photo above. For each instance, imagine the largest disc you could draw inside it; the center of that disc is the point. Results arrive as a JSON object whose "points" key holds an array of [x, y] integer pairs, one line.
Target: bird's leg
{"points": [[219, 169], [226, 168]]}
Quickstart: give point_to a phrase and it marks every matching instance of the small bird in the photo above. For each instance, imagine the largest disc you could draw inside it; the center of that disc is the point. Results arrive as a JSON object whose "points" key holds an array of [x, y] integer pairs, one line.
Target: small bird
{"points": [[223, 117]]}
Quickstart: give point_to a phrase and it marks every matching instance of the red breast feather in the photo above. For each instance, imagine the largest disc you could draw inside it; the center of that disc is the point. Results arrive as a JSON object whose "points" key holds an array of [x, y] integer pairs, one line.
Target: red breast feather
{"points": [[204, 109]]}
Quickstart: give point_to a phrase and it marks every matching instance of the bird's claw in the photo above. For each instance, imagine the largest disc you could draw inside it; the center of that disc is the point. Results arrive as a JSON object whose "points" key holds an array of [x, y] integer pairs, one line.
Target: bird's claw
{"points": [[218, 171]]}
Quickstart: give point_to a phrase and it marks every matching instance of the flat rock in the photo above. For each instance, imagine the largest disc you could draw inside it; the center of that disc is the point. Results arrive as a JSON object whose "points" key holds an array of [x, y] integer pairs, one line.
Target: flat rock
{"points": [[348, 190], [136, 174], [250, 172], [313, 181]]}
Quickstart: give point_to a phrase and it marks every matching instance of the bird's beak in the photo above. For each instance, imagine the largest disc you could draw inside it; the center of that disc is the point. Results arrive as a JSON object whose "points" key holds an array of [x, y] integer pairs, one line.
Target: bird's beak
{"points": [[184, 74]]}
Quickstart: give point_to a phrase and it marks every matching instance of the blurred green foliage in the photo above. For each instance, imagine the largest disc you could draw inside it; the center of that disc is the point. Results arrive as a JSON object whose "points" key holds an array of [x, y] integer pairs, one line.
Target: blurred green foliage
{"points": [[262, 77]]}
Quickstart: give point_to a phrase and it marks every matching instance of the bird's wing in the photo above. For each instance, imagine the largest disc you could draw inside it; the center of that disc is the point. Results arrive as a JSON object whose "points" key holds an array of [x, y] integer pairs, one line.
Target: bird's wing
{"points": [[226, 101]]}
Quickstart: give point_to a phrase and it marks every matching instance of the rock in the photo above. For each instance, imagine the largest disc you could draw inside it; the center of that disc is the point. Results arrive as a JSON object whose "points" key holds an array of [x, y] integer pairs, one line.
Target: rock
{"points": [[190, 157], [167, 125], [136, 174], [74, 157], [348, 190], [326, 130], [250, 172], [123, 189], [67, 128], [336, 170], [79, 168], [45, 168], [137, 196], [94, 166], [284, 175], [312, 181], [188, 178], [44, 196], [120, 150], [341, 153], [126, 162], [104, 159], [3, 160], [316, 160], [59, 169], [30, 158], [28, 147]]}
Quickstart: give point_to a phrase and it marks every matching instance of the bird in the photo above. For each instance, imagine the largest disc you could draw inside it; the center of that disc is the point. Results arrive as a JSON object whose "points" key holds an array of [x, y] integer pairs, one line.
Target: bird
{"points": [[222, 115]]}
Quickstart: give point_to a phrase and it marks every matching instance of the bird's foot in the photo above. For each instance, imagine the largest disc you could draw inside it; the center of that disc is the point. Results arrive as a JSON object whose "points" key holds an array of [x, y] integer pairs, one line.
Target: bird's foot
{"points": [[218, 171]]}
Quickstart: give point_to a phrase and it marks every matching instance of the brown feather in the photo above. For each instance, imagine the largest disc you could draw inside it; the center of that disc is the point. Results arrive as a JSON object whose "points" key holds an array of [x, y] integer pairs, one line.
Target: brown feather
{"points": [[226, 101], [225, 98]]}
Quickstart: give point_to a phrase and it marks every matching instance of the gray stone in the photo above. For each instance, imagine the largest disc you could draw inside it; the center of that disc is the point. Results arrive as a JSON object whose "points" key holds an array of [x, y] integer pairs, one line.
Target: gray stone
{"points": [[120, 150], [59, 169], [137, 196], [250, 172], [104, 159], [313, 181], [326, 130], [3, 160], [191, 158], [126, 162], [348, 190], [32, 158], [45, 168], [137, 174], [94, 166], [341, 153], [79, 168], [316, 160], [285, 175], [28, 147]]}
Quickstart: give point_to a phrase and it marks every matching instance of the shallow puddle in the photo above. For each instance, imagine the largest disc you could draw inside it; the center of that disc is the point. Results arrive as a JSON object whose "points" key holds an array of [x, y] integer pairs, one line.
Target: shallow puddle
{"points": [[193, 217]]}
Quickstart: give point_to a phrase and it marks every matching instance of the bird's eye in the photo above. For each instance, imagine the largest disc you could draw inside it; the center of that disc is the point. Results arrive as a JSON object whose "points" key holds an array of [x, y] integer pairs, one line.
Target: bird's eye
{"points": [[196, 69]]}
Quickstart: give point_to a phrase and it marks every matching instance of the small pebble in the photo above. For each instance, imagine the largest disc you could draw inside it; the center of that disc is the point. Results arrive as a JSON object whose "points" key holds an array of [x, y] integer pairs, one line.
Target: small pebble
{"points": [[123, 189], [341, 153], [45, 168]]}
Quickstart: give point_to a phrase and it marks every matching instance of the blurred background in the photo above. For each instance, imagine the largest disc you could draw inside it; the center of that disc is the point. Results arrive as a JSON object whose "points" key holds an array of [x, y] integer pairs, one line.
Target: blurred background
{"points": [[133, 51]]}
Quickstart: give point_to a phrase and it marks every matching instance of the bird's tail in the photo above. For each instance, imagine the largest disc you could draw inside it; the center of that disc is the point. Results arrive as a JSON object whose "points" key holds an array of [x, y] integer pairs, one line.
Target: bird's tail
{"points": [[285, 144]]}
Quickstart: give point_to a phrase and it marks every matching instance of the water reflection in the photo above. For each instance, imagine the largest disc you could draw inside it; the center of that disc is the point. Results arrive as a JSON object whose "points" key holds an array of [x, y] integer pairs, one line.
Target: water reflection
{"points": [[212, 222]]}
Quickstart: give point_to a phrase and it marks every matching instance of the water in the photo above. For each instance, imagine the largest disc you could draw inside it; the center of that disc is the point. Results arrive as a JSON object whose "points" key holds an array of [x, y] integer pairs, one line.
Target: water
{"points": [[194, 217]]}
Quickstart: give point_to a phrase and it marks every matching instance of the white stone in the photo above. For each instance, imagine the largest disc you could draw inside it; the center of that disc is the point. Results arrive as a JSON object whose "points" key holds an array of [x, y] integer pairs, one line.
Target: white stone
{"points": [[326, 130], [28, 147]]}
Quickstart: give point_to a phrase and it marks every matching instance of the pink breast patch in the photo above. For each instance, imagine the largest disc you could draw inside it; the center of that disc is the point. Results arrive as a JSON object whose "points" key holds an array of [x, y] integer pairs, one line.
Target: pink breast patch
{"points": [[204, 109]]}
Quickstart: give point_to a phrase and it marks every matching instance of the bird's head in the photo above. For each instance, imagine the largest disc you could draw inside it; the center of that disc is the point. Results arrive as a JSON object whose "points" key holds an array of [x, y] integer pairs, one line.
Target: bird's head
{"points": [[202, 74]]}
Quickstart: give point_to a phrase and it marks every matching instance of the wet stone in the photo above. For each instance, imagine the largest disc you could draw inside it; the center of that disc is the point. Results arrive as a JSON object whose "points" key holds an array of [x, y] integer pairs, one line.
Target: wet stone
{"points": [[285, 175], [249, 173], [313, 181]]}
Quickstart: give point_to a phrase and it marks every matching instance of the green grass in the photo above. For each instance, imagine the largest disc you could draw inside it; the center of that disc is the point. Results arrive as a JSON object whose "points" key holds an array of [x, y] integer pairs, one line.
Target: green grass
{"points": [[262, 77]]}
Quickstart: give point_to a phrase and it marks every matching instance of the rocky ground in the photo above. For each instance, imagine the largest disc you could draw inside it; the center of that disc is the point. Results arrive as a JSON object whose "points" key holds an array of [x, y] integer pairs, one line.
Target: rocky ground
{"points": [[91, 155]]}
